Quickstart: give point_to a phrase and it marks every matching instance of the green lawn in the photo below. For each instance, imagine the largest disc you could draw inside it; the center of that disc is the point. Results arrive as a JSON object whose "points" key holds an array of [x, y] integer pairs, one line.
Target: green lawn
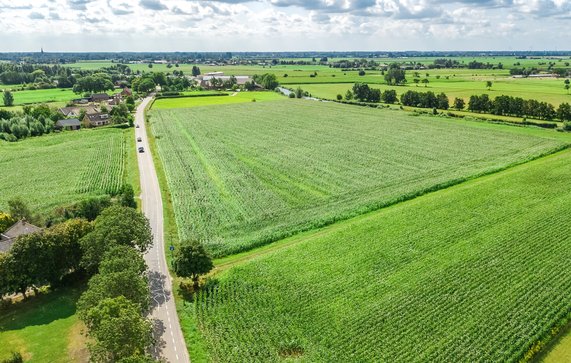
{"points": [[474, 273], [238, 97], [44, 329], [57, 169], [241, 176]]}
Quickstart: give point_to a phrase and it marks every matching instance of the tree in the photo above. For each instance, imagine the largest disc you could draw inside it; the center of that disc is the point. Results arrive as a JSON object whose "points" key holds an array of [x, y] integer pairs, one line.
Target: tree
{"points": [[191, 260], [19, 209], [267, 80], [195, 71], [425, 81], [564, 112], [488, 85], [361, 72], [6, 221], [8, 98], [389, 96], [349, 95], [127, 282], [128, 196], [115, 226], [118, 329], [339, 97], [395, 75], [443, 102], [298, 92], [459, 103]]}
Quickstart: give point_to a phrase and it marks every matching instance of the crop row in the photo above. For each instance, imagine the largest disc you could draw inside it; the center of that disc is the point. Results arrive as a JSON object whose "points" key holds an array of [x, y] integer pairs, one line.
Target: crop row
{"points": [[244, 175], [475, 273]]}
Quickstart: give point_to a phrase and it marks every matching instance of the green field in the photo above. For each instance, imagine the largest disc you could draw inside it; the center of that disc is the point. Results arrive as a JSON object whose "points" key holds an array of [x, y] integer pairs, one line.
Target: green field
{"points": [[58, 169], [43, 96], [237, 97], [44, 329], [245, 175], [474, 273]]}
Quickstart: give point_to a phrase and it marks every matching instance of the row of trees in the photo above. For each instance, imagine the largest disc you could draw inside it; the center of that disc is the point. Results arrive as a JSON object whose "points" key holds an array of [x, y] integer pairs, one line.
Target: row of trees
{"points": [[363, 93], [425, 100], [517, 106], [117, 300]]}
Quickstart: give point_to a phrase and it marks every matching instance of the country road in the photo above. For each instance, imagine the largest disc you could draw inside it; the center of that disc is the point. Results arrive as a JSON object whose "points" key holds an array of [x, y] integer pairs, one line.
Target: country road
{"points": [[170, 342]]}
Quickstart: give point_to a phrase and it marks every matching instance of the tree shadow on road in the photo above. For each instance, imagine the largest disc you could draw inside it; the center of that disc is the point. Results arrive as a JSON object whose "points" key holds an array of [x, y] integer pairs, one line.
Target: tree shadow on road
{"points": [[159, 292], [160, 344]]}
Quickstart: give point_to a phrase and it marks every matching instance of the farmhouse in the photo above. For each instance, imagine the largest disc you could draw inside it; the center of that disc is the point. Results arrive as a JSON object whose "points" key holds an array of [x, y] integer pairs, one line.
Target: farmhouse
{"points": [[20, 228], [68, 124], [99, 97], [75, 111], [96, 119], [115, 100]]}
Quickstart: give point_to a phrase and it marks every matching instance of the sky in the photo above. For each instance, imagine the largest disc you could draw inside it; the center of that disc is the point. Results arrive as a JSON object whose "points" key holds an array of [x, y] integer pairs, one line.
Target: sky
{"points": [[283, 25]]}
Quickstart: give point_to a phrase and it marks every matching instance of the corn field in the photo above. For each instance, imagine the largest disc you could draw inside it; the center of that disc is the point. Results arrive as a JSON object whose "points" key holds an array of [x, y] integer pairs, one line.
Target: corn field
{"points": [[56, 170], [242, 176], [480, 272]]}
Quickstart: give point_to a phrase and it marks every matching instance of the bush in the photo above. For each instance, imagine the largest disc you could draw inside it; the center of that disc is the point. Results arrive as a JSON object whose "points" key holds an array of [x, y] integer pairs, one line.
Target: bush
{"points": [[567, 126], [291, 95], [16, 357]]}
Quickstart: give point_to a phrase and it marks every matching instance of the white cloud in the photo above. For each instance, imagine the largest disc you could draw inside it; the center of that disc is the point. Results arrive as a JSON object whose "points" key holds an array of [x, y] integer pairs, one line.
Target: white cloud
{"points": [[250, 25]]}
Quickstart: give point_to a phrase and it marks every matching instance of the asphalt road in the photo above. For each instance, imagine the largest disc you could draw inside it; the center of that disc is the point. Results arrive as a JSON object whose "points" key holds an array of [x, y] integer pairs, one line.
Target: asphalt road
{"points": [[170, 342]]}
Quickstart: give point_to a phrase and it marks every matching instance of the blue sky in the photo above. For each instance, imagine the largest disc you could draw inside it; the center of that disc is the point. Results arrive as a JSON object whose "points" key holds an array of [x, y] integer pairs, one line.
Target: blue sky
{"points": [[284, 25]]}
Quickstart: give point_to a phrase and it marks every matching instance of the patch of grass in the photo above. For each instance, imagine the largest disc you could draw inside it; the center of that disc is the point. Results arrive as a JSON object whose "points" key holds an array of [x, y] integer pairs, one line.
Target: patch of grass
{"points": [[477, 272], [43, 329], [239, 97], [58, 169], [43, 96], [262, 172]]}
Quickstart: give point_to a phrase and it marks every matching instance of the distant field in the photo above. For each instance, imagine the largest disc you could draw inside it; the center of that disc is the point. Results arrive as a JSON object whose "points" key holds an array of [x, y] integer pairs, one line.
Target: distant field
{"points": [[51, 170], [239, 97], [548, 90], [474, 273], [245, 175], [43, 96], [44, 329]]}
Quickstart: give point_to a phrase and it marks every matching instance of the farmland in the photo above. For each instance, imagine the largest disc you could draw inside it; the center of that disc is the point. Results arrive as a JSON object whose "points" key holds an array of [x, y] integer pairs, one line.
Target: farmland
{"points": [[241, 176], [57, 169], [43, 96], [239, 97], [475, 272]]}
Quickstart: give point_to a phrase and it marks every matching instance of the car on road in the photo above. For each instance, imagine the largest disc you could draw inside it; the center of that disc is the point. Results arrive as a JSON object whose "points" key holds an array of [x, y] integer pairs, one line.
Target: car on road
{"points": [[139, 139], [137, 126], [141, 149]]}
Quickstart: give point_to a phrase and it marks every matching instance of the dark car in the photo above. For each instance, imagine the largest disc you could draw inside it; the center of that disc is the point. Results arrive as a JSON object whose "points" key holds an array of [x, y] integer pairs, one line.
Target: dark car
{"points": [[137, 126], [139, 139], [141, 149]]}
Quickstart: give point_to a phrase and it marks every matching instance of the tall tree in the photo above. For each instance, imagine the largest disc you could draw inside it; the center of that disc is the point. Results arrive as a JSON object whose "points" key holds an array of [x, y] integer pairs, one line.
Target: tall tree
{"points": [[8, 98], [191, 260]]}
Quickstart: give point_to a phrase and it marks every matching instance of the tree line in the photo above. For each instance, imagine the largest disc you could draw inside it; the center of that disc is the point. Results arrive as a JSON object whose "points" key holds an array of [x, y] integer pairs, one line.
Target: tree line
{"points": [[519, 107]]}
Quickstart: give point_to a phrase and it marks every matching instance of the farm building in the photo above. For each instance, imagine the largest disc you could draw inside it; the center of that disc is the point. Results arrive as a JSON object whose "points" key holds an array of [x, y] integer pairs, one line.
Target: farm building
{"points": [[75, 111], [68, 124], [96, 119], [126, 92], [205, 81], [20, 228], [99, 97]]}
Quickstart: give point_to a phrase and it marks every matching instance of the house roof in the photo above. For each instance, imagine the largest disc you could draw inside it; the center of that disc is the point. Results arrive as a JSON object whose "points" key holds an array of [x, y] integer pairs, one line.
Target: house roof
{"points": [[68, 122], [100, 96], [93, 117], [20, 228], [68, 110]]}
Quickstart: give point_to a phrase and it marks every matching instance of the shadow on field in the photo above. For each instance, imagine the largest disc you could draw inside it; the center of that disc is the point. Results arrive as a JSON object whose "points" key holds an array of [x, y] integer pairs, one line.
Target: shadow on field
{"points": [[40, 310], [159, 292]]}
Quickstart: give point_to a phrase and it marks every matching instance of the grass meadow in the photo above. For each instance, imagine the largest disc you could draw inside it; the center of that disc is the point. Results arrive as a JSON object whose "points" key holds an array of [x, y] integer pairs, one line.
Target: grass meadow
{"points": [[478, 272], [232, 98], [242, 176], [58, 169], [44, 329]]}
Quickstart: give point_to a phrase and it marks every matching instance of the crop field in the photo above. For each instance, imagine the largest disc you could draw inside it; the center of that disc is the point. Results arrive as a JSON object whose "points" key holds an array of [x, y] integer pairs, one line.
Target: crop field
{"points": [[478, 272], [238, 97], [52, 170], [242, 176]]}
